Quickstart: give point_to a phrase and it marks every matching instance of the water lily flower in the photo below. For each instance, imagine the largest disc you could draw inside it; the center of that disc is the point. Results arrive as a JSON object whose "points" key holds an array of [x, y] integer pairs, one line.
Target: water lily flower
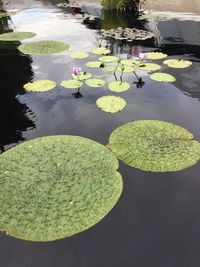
{"points": [[142, 56], [76, 70], [135, 51]]}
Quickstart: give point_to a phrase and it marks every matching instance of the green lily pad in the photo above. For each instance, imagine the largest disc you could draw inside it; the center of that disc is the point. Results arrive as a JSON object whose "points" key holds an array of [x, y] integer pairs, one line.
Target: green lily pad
{"points": [[118, 86], [156, 146], [109, 68], [93, 64], [71, 84], [40, 86], [150, 67], [56, 186], [130, 62], [155, 55], [16, 36], [100, 51], [111, 103], [162, 77], [45, 47], [177, 64], [108, 59], [95, 82], [83, 76], [126, 68], [79, 55]]}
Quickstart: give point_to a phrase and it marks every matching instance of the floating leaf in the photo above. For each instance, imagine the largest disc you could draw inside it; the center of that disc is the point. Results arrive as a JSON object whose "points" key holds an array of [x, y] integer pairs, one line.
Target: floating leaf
{"points": [[56, 186], [71, 84], [177, 64], [83, 76], [16, 36], [108, 59], [109, 68], [155, 55], [149, 66], [101, 51], [111, 103], [40, 86], [79, 55], [118, 86], [93, 64], [95, 82], [45, 47], [156, 146], [162, 77], [130, 62], [126, 68]]}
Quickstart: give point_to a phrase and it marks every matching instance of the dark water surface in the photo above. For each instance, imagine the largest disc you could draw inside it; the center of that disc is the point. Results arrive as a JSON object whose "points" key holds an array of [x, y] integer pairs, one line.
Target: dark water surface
{"points": [[157, 220]]}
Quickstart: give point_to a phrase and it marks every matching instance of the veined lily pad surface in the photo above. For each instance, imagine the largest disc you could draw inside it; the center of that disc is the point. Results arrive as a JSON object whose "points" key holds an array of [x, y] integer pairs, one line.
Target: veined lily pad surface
{"points": [[111, 104], [40, 86], [16, 36], [101, 51], [82, 76], [162, 77], [56, 186], [118, 86], [46, 47], [108, 59], [93, 64], [149, 66], [79, 55], [177, 64], [71, 84], [95, 82], [155, 55], [155, 146]]}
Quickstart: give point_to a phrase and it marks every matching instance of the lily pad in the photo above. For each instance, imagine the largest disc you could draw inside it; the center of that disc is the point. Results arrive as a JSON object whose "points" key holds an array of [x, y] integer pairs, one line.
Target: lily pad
{"points": [[109, 68], [79, 55], [95, 82], [16, 36], [177, 64], [126, 68], [118, 86], [111, 103], [45, 47], [162, 77], [130, 62], [156, 146], [56, 186], [149, 66], [40, 86], [71, 84], [100, 51], [93, 64], [83, 76], [155, 55], [108, 59]]}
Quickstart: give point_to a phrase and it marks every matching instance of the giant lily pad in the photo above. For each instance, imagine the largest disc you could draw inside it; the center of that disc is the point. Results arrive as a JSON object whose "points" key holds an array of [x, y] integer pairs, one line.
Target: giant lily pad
{"points": [[83, 76], [79, 55], [56, 186], [111, 103], [40, 86], [71, 84], [156, 146], [101, 51], [16, 36], [93, 64], [177, 64], [118, 86], [149, 66], [95, 82], [162, 77], [45, 47], [155, 55], [108, 59]]}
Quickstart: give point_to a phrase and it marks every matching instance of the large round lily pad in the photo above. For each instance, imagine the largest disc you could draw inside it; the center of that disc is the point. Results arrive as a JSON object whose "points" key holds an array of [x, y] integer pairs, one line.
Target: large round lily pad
{"points": [[16, 36], [155, 55], [56, 186], [111, 103], [40, 86], [156, 146], [162, 77], [101, 51], [79, 55], [45, 47], [177, 64], [71, 84], [95, 83], [118, 86], [150, 67], [108, 59]]}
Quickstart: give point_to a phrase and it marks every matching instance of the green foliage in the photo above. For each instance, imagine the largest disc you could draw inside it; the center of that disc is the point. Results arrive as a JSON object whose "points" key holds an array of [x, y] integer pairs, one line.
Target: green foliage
{"points": [[95, 83], [162, 77], [132, 5], [79, 55], [118, 86], [56, 186], [40, 86], [177, 64], [71, 84], [111, 103], [16, 36]]}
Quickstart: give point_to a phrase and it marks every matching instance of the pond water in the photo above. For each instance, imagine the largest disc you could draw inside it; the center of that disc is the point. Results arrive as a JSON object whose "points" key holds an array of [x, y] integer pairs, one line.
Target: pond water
{"points": [[156, 221]]}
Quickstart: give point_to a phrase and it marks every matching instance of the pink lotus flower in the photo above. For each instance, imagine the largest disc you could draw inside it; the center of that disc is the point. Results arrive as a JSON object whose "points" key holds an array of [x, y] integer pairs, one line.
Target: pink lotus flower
{"points": [[76, 70], [135, 51], [142, 56]]}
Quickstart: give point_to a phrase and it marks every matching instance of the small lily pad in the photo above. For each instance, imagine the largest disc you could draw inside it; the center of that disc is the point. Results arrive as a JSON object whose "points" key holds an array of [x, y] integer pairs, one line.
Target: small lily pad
{"points": [[156, 146], [71, 84], [155, 55], [123, 68], [109, 68], [111, 103], [108, 59], [83, 76], [100, 51], [95, 82], [150, 66], [57, 186], [162, 77], [40, 86], [79, 55], [46, 47], [16, 36], [93, 64], [130, 62], [118, 86], [177, 64]]}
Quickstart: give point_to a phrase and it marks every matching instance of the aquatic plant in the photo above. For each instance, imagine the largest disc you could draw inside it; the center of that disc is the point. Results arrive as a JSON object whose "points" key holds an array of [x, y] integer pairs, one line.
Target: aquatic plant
{"points": [[149, 67], [16, 36], [71, 84], [155, 55], [40, 86], [111, 103], [125, 5], [162, 77], [177, 63], [118, 86], [95, 83], [93, 64], [83, 76], [108, 59], [49, 190], [101, 51], [79, 55], [156, 146]]}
